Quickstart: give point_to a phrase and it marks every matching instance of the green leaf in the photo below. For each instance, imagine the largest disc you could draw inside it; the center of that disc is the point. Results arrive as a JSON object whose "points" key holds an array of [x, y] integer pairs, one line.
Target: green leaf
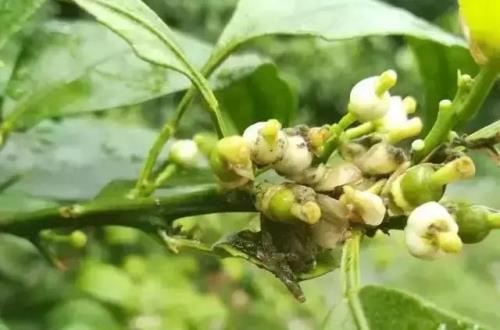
{"points": [[485, 137], [70, 68], [78, 67], [262, 95], [8, 57], [438, 66], [153, 41], [81, 314], [389, 309], [13, 15], [107, 283], [73, 159], [146, 33], [3, 326], [328, 19]]}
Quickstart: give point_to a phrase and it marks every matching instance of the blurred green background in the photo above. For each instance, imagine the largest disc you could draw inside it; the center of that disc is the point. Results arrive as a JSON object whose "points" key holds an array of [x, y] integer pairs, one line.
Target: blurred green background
{"points": [[125, 280]]}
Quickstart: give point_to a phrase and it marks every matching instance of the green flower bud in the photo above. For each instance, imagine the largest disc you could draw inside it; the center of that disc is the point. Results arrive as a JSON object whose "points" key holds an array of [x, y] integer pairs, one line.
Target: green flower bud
{"points": [[288, 203], [185, 153], [317, 137], [424, 183], [78, 239], [231, 163], [206, 142], [473, 222]]}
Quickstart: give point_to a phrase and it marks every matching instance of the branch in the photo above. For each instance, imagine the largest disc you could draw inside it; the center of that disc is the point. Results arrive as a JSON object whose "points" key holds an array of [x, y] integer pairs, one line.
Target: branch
{"points": [[142, 213]]}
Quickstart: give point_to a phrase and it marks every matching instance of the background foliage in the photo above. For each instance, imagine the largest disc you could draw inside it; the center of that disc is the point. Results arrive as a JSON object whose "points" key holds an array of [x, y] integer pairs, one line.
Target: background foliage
{"points": [[123, 279]]}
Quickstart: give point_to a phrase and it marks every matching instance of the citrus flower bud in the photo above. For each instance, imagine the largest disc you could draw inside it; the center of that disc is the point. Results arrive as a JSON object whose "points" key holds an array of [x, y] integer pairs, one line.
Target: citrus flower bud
{"points": [[368, 206], [370, 98], [317, 137], [473, 222], [185, 153], [382, 158], [424, 183], [480, 21], [266, 140], [78, 239], [431, 232], [231, 163], [206, 142], [288, 203], [324, 178], [296, 158], [418, 145]]}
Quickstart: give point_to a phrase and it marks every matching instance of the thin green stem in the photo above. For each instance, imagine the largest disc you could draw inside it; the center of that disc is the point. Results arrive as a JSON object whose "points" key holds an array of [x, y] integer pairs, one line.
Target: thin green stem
{"points": [[464, 107], [145, 179], [483, 84], [170, 127], [351, 279], [336, 131]]}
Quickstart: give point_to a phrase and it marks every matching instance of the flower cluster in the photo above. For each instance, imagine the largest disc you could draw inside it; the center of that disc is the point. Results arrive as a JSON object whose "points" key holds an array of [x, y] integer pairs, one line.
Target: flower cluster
{"points": [[369, 179]]}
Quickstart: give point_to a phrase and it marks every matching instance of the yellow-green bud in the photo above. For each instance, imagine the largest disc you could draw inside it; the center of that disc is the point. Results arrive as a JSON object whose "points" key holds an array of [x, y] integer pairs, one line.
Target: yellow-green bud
{"points": [[78, 239], [288, 203], [231, 163], [206, 142], [317, 137], [473, 222], [185, 153]]}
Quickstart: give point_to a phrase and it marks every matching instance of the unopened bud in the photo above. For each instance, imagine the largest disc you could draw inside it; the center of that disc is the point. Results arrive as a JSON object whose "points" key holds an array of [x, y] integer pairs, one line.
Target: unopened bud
{"points": [[266, 141], [370, 98], [231, 163], [296, 158], [288, 203], [418, 145], [431, 232], [473, 222], [317, 137], [185, 153], [78, 239], [382, 158], [206, 142]]}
